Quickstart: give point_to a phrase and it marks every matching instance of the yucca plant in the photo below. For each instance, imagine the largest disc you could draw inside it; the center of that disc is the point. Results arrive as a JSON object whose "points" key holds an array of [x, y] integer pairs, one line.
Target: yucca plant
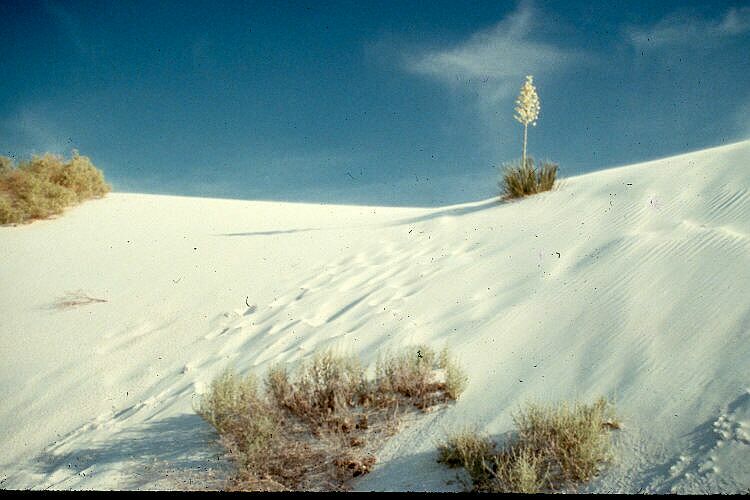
{"points": [[527, 110], [525, 179]]}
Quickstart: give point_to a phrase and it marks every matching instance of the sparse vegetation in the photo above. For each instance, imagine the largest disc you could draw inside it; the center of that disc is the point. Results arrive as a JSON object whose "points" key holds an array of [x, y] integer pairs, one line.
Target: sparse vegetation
{"points": [[75, 299], [310, 429], [522, 180], [555, 447], [46, 185]]}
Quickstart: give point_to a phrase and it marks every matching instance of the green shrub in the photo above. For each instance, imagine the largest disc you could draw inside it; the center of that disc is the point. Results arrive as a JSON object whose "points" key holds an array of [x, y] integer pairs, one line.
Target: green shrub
{"points": [[523, 180], [556, 446], [46, 185]]}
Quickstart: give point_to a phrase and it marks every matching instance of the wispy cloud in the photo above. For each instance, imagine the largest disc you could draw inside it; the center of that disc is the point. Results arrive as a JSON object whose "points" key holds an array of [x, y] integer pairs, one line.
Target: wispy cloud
{"points": [[36, 133], [742, 119], [682, 29], [68, 24], [494, 62]]}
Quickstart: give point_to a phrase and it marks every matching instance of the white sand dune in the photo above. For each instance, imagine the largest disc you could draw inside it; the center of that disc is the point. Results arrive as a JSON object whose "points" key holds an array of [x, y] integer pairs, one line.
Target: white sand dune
{"points": [[631, 283]]}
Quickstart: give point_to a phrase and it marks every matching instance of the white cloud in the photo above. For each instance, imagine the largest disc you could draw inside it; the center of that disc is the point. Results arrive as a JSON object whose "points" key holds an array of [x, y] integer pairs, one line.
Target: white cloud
{"points": [[494, 62], [682, 29]]}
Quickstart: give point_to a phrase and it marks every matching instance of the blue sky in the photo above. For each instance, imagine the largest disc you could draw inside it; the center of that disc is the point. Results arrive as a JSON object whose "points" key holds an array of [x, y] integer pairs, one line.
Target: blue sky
{"points": [[397, 103]]}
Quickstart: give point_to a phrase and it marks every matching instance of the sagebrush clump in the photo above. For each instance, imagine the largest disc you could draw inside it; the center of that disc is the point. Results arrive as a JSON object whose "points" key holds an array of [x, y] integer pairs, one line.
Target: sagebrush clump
{"points": [[46, 185], [309, 429], [555, 447]]}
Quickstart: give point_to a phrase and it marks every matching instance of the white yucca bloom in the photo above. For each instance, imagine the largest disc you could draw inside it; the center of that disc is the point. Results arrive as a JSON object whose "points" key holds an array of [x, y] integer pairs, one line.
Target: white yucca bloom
{"points": [[527, 110]]}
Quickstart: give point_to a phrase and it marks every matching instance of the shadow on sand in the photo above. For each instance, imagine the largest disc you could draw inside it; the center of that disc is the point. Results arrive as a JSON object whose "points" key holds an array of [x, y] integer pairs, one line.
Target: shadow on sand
{"points": [[178, 452], [432, 215]]}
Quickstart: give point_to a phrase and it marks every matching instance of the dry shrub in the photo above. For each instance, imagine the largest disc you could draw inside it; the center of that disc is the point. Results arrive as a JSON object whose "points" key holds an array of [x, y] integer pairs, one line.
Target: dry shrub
{"points": [[46, 185], [8, 213], [6, 165], [75, 299], [311, 429], [237, 410], [254, 433], [523, 180], [324, 390], [571, 439], [556, 446], [33, 197], [518, 469], [418, 374], [471, 450]]}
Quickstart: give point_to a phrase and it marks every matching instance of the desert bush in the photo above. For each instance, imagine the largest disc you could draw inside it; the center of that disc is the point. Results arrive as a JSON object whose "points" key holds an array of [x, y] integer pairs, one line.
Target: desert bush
{"points": [[574, 437], [308, 429], [324, 389], [471, 450], [46, 185], [556, 446], [522, 180], [6, 165], [9, 214], [82, 177], [253, 432], [236, 408], [455, 377], [33, 197], [416, 374]]}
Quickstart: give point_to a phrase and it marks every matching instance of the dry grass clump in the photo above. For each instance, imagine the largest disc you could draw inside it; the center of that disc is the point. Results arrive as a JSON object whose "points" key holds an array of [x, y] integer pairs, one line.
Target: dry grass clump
{"points": [[470, 449], [556, 446], [421, 375], [46, 185], [310, 429], [323, 391], [523, 180], [75, 299]]}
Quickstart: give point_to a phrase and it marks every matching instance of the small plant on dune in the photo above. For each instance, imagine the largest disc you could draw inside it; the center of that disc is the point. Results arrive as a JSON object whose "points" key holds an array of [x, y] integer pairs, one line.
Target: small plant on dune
{"points": [[236, 408], [524, 178], [455, 378], [519, 180], [46, 185], [416, 374], [309, 429], [472, 450], [324, 389], [556, 446]]}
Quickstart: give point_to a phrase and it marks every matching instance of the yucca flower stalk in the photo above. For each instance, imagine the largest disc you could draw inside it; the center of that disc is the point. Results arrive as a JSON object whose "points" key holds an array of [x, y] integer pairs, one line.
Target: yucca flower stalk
{"points": [[527, 110]]}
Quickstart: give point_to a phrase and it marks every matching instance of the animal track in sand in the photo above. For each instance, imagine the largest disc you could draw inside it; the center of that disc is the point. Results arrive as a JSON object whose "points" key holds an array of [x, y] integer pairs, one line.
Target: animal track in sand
{"points": [[719, 458]]}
